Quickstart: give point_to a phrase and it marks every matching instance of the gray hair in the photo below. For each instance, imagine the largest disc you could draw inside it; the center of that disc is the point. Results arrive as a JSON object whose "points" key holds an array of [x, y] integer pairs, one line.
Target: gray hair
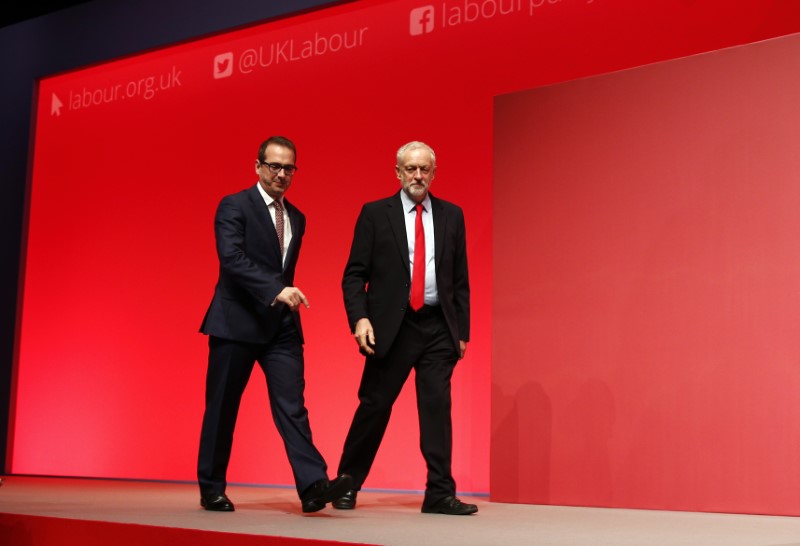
{"points": [[413, 145]]}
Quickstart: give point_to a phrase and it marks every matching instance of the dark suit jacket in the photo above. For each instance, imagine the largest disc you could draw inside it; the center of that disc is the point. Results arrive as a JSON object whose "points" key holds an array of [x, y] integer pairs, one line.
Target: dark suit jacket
{"points": [[377, 276], [250, 270]]}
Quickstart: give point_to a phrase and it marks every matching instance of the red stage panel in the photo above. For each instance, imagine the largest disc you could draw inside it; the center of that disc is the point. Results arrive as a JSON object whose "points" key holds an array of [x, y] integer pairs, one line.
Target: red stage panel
{"points": [[647, 287], [47, 531]]}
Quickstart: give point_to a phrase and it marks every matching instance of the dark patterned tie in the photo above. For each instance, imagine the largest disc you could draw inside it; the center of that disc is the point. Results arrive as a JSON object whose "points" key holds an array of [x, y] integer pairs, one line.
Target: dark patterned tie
{"points": [[418, 274], [279, 223]]}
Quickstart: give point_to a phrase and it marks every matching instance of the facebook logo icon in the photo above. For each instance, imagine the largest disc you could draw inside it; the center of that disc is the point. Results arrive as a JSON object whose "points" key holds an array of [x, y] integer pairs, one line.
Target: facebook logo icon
{"points": [[421, 20]]}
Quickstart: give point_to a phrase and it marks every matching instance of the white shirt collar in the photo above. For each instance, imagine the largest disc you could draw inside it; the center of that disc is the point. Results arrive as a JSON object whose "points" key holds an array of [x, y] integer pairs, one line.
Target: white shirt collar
{"points": [[408, 204], [267, 199]]}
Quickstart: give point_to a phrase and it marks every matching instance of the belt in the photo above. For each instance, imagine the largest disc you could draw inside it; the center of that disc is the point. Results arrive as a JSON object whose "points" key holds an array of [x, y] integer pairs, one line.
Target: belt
{"points": [[424, 311]]}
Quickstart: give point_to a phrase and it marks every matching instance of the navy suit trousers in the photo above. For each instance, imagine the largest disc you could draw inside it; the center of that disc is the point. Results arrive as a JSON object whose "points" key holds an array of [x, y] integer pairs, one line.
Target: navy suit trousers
{"points": [[230, 364]]}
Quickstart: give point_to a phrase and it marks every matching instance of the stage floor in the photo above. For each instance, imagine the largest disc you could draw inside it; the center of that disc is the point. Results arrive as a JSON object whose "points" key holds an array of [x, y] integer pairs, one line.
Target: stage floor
{"points": [[383, 518]]}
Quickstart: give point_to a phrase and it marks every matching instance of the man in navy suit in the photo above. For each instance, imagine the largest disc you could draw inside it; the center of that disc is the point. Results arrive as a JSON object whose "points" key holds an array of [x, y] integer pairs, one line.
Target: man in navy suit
{"points": [[406, 293], [254, 317]]}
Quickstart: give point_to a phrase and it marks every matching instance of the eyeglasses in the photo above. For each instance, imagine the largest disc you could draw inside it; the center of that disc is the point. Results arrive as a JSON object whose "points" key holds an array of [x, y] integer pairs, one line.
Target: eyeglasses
{"points": [[276, 167]]}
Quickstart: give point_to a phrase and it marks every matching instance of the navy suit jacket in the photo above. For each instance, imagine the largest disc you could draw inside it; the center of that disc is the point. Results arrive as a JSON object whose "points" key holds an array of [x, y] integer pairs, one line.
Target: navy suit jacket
{"points": [[251, 273], [377, 276]]}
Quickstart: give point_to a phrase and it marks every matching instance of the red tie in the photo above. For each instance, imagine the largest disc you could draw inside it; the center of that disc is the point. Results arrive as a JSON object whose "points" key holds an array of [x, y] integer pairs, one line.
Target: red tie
{"points": [[418, 275]]}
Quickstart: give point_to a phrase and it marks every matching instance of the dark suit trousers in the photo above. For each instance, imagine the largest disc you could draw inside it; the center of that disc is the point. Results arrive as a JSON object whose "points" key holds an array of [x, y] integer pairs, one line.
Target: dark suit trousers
{"points": [[425, 345], [230, 364]]}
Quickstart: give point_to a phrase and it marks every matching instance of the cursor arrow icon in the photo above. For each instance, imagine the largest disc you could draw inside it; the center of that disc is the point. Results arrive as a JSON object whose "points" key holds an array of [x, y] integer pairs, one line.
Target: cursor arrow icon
{"points": [[56, 105]]}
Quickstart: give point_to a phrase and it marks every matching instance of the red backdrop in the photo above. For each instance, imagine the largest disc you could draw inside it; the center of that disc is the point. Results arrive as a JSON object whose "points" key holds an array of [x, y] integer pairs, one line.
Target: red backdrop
{"points": [[646, 348], [131, 158]]}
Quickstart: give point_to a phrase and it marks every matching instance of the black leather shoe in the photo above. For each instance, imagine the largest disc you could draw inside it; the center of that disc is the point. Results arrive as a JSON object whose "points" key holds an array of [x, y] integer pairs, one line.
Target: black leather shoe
{"points": [[346, 501], [322, 492], [450, 506], [216, 502]]}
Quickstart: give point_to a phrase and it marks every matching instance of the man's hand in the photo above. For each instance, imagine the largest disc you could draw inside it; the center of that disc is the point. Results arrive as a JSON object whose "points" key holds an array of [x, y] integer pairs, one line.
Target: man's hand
{"points": [[293, 298], [364, 336], [463, 346]]}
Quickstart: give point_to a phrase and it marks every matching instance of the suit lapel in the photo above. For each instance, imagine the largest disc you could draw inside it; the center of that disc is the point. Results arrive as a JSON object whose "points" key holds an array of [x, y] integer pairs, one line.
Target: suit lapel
{"points": [[397, 221], [439, 226], [293, 221], [264, 220]]}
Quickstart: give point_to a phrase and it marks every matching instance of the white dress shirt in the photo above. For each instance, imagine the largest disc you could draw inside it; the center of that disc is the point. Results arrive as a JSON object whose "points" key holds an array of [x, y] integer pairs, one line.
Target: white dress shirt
{"points": [[287, 225], [409, 207]]}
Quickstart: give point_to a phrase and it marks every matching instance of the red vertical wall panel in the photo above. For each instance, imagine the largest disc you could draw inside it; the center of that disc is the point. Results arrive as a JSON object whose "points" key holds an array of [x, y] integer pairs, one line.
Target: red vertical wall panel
{"points": [[647, 287]]}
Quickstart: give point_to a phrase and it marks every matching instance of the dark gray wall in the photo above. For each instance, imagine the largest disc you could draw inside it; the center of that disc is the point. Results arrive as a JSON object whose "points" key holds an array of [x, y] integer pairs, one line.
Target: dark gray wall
{"points": [[88, 33]]}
